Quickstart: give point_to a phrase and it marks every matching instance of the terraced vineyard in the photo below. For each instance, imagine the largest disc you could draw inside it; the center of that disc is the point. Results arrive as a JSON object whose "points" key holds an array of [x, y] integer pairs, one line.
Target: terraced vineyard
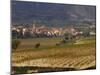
{"points": [[59, 58]]}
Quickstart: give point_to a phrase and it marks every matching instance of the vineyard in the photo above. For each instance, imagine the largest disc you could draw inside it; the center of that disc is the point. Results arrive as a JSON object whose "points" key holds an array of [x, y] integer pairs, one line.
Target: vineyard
{"points": [[78, 56]]}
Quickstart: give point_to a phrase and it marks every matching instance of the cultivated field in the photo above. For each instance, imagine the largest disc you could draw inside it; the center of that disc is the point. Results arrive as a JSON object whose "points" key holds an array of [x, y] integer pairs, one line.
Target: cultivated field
{"points": [[45, 42], [50, 57]]}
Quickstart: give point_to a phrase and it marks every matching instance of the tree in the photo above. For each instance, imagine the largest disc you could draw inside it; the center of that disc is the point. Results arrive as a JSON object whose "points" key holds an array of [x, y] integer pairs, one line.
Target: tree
{"points": [[37, 45], [15, 44]]}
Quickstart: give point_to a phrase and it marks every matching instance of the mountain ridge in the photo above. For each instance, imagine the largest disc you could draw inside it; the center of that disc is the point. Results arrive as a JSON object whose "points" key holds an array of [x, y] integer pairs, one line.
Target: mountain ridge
{"points": [[51, 13]]}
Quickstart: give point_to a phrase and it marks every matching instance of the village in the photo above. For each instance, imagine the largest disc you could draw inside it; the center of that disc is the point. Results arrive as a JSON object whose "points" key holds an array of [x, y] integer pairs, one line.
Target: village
{"points": [[41, 31]]}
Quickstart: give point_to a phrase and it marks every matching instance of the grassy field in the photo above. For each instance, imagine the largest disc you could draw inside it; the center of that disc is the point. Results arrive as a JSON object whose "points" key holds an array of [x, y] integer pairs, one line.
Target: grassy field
{"points": [[45, 42], [78, 56]]}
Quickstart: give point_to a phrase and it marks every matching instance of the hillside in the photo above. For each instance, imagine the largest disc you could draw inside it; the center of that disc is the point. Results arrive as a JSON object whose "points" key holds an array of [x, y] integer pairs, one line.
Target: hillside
{"points": [[51, 13]]}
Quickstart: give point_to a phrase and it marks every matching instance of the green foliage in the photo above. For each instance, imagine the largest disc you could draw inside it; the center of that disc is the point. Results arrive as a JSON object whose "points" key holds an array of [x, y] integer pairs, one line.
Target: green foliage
{"points": [[15, 44], [37, 45]]}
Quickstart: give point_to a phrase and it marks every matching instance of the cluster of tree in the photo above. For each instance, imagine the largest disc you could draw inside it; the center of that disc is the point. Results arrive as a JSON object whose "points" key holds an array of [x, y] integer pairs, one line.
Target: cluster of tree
{"points": [[15, 44], [37, 45], [16, 34]]}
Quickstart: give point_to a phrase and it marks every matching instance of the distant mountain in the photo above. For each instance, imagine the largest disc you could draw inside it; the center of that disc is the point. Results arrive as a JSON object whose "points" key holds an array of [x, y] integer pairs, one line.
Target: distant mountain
{"points": [[51, 13]]}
